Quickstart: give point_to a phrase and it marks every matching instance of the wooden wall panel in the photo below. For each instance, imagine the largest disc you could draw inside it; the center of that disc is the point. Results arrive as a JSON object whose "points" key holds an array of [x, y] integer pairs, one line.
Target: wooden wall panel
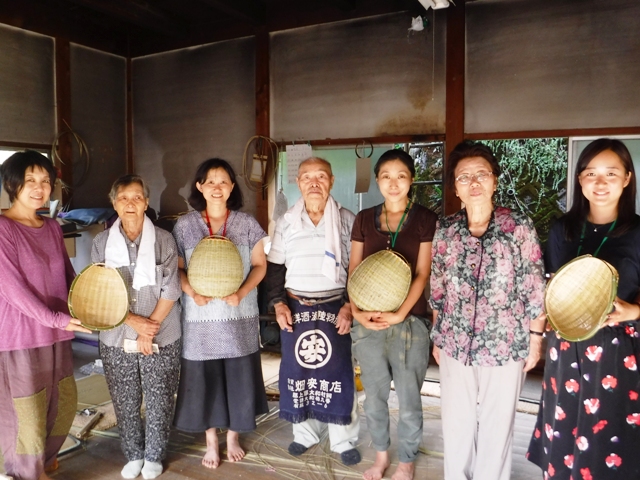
{"points": [[358, 78], [27, 96], [98, 110], [540, 65], [190, 105]]}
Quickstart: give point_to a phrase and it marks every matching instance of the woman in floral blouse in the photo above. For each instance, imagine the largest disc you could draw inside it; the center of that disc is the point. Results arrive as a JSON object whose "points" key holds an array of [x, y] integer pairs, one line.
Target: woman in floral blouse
{"points": [[487, 287], [589, 422]]}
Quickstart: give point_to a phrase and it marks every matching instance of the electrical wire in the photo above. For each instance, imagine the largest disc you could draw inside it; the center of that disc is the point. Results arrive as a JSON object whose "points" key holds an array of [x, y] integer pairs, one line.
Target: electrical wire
{"points": [[267, 154], [84, 159]]}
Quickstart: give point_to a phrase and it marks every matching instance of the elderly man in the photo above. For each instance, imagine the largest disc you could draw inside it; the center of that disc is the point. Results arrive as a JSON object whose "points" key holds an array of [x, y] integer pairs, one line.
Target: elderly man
{"points": [[306, 279]]}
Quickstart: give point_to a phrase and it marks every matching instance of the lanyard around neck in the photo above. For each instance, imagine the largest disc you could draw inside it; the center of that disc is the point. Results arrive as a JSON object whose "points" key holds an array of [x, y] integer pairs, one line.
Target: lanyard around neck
{"points": [[394, 235], [224, 229], [584, 228]]}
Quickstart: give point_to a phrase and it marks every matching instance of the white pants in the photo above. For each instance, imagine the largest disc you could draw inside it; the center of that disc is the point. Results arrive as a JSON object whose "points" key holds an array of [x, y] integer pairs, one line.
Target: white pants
{"points": [[478, 413], [341, 437]]}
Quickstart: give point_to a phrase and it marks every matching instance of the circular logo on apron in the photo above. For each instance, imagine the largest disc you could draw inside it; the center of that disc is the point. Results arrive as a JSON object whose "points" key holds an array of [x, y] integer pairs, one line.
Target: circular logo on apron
{"points": [[313, 349]]}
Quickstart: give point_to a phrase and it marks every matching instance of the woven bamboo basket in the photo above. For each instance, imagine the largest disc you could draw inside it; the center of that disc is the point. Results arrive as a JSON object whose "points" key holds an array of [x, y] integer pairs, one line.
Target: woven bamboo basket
{"points": [[99, 297], [381, 282], [215, 269], [580, 296]]}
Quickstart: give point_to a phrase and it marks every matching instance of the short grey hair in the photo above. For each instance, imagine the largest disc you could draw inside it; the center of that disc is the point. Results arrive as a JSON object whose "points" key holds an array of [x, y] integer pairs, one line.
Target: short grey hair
{"points": [[125, 181], [315, 160]]}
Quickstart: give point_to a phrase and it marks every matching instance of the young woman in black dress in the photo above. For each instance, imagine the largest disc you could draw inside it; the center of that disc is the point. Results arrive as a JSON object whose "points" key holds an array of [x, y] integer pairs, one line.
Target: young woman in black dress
{"points": [[589, 421]]}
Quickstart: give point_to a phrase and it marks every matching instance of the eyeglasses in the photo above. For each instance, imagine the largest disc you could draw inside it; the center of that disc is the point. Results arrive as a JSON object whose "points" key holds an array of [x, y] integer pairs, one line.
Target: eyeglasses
{"points": [[466, 179]]}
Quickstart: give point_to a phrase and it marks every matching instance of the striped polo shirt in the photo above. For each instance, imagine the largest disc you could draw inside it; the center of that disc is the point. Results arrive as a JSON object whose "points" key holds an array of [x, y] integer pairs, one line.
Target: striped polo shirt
{"points": [[302, 252]]}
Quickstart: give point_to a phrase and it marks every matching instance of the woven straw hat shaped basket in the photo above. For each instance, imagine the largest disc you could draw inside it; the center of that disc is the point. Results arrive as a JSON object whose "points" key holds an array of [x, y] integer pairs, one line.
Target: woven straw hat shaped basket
{"points": [[99, 297], [215, 268], [381, 282], [580, 296]]}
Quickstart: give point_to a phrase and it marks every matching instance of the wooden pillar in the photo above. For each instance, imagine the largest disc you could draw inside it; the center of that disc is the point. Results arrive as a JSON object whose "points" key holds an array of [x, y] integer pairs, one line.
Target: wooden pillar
{"points": [[63, 112], [129, 119], [262, 114], [455, 70]]}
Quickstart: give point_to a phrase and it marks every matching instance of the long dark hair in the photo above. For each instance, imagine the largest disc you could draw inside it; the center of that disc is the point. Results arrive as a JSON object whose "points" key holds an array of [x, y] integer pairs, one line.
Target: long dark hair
{"points": [[402, 156], [396, 154], [196, 199], [575, 218]]}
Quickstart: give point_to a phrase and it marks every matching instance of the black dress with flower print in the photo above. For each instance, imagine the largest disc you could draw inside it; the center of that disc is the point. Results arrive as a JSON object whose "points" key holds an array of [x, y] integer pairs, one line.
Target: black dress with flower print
{"points": [[588, 427]]}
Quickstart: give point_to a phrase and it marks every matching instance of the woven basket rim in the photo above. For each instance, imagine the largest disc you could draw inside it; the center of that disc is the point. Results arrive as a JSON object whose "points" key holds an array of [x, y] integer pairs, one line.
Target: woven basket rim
{"points": [[240, 264], [73, 285], [378, 253], [612, 295]]}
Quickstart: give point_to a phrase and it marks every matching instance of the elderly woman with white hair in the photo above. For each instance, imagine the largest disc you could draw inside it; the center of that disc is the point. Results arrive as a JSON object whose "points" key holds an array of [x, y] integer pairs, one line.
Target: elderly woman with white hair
{"points": [[147, 258]]}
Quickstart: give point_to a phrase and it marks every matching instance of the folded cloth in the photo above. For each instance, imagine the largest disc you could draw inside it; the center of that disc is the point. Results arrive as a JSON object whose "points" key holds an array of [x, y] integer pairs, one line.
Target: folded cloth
{"points": [[332, 240], [116, 253], [88, 216]]}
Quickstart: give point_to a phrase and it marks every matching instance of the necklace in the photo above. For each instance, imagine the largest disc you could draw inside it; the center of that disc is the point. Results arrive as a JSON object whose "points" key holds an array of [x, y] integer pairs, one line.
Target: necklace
{"points": [[392, 234], [606, 237], [224, 229]]}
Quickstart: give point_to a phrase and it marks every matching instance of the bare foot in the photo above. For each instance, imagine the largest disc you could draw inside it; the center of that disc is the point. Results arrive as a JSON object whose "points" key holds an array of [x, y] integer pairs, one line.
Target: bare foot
{"points": [[403, 472], [235, 453], [53, 467], [212, 457], [376, 471]]}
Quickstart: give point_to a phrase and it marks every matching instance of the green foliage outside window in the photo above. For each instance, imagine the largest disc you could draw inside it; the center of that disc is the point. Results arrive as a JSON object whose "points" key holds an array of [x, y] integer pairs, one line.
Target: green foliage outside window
{"points": [[427, 186], [534, 178]]}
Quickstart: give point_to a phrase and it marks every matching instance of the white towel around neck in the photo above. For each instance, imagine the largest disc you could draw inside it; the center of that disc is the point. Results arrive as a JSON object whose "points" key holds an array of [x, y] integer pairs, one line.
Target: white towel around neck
{"points": [[332, 260], [116, 253]]}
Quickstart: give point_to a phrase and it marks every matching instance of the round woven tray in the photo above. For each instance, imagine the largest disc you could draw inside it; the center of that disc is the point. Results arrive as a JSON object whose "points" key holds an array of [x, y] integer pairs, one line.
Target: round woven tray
{"points": [[215, 268], [99, 297], [580, 296], [381, 282]]}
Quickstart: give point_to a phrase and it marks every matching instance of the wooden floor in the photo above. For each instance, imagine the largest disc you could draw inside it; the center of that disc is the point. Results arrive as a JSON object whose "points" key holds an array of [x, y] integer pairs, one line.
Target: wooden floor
{"points": [[100, 456], [267, 458]]}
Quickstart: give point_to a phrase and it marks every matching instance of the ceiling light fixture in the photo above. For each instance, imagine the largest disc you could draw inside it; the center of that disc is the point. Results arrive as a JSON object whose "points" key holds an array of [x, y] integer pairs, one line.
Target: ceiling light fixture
{"points": [[435, 4]]}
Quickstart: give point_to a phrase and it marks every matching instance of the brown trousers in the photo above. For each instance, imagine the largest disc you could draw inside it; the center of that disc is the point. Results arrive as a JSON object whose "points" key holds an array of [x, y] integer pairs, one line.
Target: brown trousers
{"points": [[38, 401]]}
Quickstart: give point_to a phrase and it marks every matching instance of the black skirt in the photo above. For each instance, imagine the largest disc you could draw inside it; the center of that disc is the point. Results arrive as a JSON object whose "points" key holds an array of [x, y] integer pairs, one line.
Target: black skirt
{"points": [[226, 393], [589, 420]]}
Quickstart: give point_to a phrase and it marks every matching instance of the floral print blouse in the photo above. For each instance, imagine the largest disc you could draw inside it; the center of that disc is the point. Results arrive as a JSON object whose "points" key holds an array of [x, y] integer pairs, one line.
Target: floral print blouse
{"points": [[486, 289]]}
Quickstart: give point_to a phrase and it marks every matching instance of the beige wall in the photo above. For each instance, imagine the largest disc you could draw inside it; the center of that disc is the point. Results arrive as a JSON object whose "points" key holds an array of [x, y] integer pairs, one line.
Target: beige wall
{"points": [[27, 95], [542, 65], [98, 113], [191, 105], [359, 78]]}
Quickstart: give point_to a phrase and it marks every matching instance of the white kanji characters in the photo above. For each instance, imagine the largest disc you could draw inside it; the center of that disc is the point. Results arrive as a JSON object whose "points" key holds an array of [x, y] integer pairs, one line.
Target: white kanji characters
{"points": [[324, 385], [336, 387], [305, 316], [296, 318], [290, 384], [300, 385], [312, 383], [313, 349]]}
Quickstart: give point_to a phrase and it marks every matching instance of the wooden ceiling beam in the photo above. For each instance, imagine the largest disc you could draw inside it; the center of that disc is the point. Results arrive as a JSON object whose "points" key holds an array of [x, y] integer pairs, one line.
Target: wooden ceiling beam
{"points": [[344, 5], [288, 14], [138, 13], [250, 11], [49, 19]]}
